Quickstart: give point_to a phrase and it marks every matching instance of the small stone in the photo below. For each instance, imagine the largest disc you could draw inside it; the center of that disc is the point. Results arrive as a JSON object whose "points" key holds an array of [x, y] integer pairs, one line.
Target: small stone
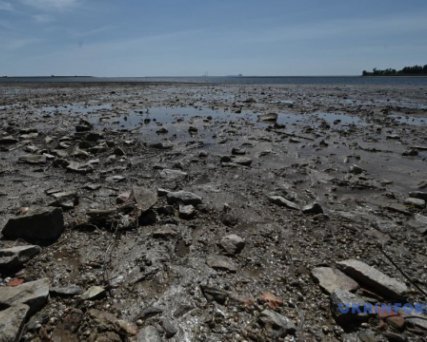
{"points": [[34, 159], [187, 211], [356, 170], [172, 174], [148, 334], [33, 293], [238, 151], [242, 161], [169, 328], [232, 244], [269, 117], [12, 322], [15, 257], [415, 202], [374, 279], [94, 292], [145, 198], [331, 279], [283, 202], [68, 291], [314, 208], [418, 194], [37, 225], [8, 140], [221, 262], [161, 145], [280, 325], [184, 197], [79, 167]]}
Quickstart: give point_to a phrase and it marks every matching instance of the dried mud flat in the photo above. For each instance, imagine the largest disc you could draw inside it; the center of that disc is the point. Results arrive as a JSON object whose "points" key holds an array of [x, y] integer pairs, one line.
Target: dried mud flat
{"points": [[211, 213]]}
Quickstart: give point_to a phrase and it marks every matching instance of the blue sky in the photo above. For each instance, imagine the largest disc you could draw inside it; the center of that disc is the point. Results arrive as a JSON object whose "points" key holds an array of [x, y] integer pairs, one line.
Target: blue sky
{"points": [[218, 37]]}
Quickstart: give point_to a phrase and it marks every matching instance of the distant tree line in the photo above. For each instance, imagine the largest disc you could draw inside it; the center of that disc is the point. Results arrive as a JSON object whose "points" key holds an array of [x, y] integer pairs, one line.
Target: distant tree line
{"points": [[406, 71]]}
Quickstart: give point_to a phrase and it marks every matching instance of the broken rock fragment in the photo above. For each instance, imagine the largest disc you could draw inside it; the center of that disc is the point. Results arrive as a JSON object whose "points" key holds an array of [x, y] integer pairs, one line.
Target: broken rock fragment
{"points": [[37, 225], [278, 324], [232, 244], [331, 279], [373, 279], [184, 197], [12, 322], [33, 293], [15, 257], [283, 202]]}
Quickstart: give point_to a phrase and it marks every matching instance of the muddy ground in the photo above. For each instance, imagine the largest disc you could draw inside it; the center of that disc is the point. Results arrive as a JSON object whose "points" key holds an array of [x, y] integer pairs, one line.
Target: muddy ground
{"points": [[357, 151]]}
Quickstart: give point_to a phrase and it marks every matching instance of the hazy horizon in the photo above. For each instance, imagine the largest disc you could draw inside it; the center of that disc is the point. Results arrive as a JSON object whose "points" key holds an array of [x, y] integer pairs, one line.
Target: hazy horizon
{"points": [[189, 38]]}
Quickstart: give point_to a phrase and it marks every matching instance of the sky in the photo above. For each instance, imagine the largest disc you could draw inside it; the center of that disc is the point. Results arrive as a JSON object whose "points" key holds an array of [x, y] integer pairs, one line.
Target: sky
{"points": [[132, 38]]}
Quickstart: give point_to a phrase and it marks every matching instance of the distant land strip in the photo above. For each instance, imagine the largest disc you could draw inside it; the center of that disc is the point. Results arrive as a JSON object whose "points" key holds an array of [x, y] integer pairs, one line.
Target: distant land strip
{"points": [[416, 70]]}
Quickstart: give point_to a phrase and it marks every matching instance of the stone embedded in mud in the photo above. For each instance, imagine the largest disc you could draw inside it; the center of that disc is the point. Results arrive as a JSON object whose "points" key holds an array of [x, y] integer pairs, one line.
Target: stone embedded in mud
{"points": [[169, 328], [15, 257], [418, 194], [221, 262], [186, 211], [93, 292], [82, 168], [8, 140], [279, 325], [373, 279], [331, 279], [347, 308], [169, 174], [184, 197], [33, 293], [34, 159], [148, 334], [283, 202], [144, 198], [84, 126], [232, 244], [246, 161], [68, 291], [65, 199], [269, 117], [108, 320], [238, 151], [415, 202], [356, 170], [313, 208], [12, 321], [214, 294], [39, 225], [162, 145]]}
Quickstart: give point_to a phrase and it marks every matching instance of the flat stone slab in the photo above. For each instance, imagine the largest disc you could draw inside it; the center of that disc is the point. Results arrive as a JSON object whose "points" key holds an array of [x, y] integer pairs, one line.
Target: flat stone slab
{"points": [[330, 279], [283, 202], [15, 257], [144, 198], [373, 279], [34, 294], [184, 197], [276, 320], [221, 262], [12, 321], [345, 307], [37, 225]]}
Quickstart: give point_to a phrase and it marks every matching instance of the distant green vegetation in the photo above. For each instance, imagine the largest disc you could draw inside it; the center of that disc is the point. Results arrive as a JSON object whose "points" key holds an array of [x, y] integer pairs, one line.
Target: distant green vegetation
{"points": [[415, 70]]}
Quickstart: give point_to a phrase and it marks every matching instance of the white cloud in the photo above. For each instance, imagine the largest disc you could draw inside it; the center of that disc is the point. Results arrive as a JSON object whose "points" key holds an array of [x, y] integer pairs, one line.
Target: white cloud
{"points": [[5, 6], [50, 4]]}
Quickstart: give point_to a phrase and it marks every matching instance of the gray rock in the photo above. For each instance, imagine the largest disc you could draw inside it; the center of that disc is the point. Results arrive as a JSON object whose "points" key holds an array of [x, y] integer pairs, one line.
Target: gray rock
{"points": [[8, 140], [374, 279], [184, 197], [221, 262], [12, 321], [313, 208], [145, 198], [170, 174], [269, 117], [37, 225], [415, 202], [15, 257], [280, 325], [34, 294], [419, 222], [418, 194], [331, 279], [246, 161], [187, 211], [418, 322], [93, 292], [169, 328], [356, 170], [68, 291], [232, 244], [162, 145], [34, 159], [65, 199], [283, 202], [82, 168], [148, 334], [347, 308]]}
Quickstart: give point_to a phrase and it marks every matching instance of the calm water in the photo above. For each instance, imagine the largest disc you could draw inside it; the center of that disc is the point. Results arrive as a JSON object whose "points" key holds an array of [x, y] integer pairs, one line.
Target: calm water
{"points": [[330, 80]]}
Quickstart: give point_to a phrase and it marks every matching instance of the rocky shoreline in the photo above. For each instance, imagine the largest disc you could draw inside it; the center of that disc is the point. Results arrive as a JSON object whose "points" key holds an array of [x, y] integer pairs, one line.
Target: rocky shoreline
{"points": [[172, 212]]}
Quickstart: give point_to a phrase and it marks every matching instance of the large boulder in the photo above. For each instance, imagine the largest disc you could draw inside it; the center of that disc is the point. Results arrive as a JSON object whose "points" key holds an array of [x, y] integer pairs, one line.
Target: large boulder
{"points": [[39, 225]]}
